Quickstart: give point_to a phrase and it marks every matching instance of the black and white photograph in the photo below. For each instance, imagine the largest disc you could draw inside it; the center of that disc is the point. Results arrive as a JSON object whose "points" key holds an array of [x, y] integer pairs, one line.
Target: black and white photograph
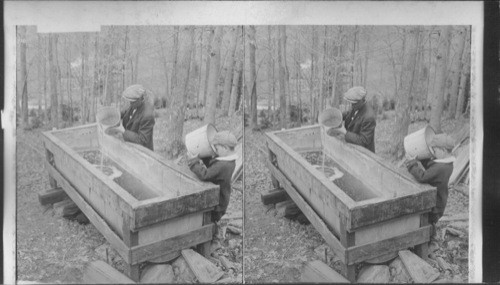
{"points": [[173, 142], [365, 133]]}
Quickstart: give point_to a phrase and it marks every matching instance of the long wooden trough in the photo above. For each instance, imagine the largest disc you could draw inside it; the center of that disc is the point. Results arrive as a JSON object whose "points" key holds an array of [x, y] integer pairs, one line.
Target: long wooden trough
{"points": [[146, 207], [369, 213]]}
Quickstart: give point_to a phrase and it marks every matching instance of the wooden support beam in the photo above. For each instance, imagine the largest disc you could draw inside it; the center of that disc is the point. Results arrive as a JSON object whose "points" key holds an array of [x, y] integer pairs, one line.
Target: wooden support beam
{"points": [[274, 196], [347, 239], [99, 272], [204, 248], [51, 196], [318, 272]]}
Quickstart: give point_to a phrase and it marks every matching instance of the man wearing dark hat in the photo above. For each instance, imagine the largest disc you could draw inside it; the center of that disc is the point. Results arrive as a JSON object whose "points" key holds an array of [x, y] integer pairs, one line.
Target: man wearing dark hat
{"points": [[137, 119], [359, 122]]}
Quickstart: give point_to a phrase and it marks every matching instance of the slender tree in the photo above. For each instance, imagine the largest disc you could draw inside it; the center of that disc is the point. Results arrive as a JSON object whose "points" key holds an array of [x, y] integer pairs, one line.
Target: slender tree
{"points": [[175, 51], [456, 67], [237, 77], [213, 84], [211, 34], [24, 75], [53, 81], [463, 76], [270, 71], [312, 97], [226, 97], [441, 76], [252, 82], [281, 65]]}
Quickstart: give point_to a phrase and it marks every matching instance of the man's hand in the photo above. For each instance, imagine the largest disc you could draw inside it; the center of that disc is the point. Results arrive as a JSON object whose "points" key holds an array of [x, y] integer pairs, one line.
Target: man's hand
{"points": [[410, 157], [190, 155], [339, 130]]}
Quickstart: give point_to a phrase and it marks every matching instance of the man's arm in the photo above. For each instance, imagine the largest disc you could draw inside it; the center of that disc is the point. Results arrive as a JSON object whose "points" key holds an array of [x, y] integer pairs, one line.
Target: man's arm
{"points": [[201, 171], [144, 133], [420, 173], [366, 134]]}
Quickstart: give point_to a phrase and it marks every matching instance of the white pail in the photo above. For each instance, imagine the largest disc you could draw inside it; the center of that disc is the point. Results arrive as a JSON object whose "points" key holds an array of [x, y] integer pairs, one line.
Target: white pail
{"points": [[199, 141], [417, 143], [108, 116]]}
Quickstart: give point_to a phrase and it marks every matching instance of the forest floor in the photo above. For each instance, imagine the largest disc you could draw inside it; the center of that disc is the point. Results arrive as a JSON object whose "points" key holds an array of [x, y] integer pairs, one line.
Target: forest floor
{"points": [[277, 248], [51, 249]]}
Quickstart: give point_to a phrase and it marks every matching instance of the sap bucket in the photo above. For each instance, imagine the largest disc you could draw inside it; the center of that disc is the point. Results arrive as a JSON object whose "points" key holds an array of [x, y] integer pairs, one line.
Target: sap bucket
{"points": [[330, 118], [108, 117], [199, 141], [417, 143]]}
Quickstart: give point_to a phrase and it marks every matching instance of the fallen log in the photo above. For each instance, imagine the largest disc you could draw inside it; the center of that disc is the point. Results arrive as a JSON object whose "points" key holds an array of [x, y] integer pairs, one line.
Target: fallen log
{"points": [[443, 264], [59, 207], [419, 270], [99, 272], [204, 270], [318, 272], [234, 230], [274, 196], [226, 263], [51, 196]]}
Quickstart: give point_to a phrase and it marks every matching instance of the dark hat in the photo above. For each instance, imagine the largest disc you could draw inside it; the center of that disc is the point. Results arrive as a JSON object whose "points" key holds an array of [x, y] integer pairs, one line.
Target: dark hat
{"points": [[134, 92], [355, 94]]}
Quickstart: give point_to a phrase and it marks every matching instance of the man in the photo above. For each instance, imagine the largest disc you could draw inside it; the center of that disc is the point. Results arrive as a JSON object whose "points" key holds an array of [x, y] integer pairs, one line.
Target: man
{"points": [[137, 119], [359, 123], [436, 172]]}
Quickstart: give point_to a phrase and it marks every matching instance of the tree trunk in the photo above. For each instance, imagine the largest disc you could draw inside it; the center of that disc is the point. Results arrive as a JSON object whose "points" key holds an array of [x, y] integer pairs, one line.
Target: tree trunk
{"points": [[463, 77], [53, 82], [39, 73], [83, 101], [95, 82], [179, 98], [175, 51], [68, 82], [213, 80], [270, 71], [236, 81], [211, 34], [24, 76], [441, 69], [252, 82], [335, 96], [323, 75], [407, 91], [281, 65], [367, 57], [199, 90], [137, 55], [46, 44], [456, 67], [312, 97], [229, 72]]}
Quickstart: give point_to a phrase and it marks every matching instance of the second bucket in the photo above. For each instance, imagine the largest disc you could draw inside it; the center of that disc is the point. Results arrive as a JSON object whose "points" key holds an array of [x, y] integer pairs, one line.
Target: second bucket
{"points": [[417, 143], [199, 141]]}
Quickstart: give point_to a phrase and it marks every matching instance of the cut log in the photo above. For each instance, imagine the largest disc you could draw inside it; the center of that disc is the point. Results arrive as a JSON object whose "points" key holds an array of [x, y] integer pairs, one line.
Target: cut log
{"points": [[60, 206], [443, 264], [70, 210], [274, 196], [318, 272], [399, 272], [457, 217], [158, 273], [420, 271], [374, 274], [204, 270], [226, 263], [98, 272], [51, 196], [281, 207], [234, 230]]}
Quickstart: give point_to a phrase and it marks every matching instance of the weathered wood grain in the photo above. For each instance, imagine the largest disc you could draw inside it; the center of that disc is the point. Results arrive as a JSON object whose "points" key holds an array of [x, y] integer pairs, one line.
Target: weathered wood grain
{"points": [[318, 272], [360, 253], [91, 214], [51, 196], [169, 228], [204, 270], [99, 272], [309, 212], [420, 271], [145, 252]]}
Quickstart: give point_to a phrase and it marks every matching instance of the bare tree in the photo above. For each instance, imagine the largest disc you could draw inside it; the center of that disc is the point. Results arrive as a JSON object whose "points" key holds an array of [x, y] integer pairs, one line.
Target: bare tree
{"points": [[175, 51], [252, 82], [463, 76], [229, 71], [312, 76], [24, 75], [211, 34], [456, 67], [237, 77], [179, 98], [213, 80], [53, 81], [441, 70], [281, 65], [270, 72], [407, 91]]}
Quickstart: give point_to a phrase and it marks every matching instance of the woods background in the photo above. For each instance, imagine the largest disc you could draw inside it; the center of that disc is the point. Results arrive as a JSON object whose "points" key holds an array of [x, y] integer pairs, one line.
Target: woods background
{"points": [[411, 73]]}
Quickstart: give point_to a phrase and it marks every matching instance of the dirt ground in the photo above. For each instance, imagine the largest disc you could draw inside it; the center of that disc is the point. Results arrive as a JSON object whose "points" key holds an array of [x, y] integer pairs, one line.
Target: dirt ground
{"points": [[277, 248], [51, 249]]}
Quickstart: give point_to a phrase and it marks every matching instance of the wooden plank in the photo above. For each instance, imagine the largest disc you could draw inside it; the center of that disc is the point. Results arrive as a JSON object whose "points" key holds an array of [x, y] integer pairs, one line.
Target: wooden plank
{"points": [[361, 253], [146, 252], [92, 215], [204, 248], [309, 212], [51, 196], [377, 212], [99, 272], [420, 271], [318, 272], [156, 210], [274, 196], [387, 229], [301, 139], [79, 137], [204, 270], [170, 228]]}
